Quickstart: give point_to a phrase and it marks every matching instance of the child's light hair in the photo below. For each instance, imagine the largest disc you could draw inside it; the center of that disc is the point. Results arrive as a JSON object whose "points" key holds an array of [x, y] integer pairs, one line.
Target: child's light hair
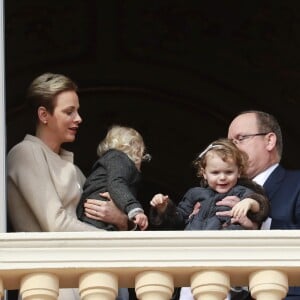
{"points": [[124, 139], [226, 150]]}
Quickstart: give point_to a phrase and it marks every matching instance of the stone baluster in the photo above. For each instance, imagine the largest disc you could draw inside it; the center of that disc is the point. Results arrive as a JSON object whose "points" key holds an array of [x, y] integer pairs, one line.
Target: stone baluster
{"points": [[156, 285], [98, 285], [268, 284], [39, 286], [210, 285]]}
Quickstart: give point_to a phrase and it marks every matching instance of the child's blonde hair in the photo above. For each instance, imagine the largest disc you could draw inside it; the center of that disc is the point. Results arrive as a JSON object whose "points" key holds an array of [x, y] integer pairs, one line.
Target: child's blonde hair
{"points": [[125, 139], [226, 150]]}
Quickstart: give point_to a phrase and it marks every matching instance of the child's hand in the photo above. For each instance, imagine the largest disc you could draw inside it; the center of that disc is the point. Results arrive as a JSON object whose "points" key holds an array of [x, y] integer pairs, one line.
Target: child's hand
{"points": [[241, 208], [160, 202], [141, 220]]}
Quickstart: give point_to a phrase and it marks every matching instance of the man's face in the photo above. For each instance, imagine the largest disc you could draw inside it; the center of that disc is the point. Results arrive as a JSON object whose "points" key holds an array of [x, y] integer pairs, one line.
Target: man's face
{"points": [[244, 132]]}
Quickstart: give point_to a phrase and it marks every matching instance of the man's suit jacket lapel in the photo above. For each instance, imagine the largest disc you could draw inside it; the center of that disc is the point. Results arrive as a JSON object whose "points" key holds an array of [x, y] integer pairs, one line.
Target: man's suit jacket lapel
{"points": [[272, 184]]}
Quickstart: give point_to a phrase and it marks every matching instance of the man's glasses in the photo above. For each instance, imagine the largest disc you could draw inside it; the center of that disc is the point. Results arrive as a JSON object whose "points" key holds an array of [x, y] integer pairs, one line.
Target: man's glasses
{"points": [[242, 137]]}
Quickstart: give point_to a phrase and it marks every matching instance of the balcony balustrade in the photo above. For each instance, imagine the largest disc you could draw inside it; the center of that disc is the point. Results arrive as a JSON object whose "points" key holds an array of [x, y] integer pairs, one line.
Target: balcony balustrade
{"points": [[152, 262]]}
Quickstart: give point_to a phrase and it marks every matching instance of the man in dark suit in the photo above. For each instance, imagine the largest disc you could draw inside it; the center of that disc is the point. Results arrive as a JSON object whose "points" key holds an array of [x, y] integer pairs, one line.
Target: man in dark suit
{"points": [[259, 135]]}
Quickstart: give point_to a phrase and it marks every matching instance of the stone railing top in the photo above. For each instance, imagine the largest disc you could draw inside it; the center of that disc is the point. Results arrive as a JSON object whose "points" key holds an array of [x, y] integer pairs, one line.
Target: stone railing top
{"points": [[127, 253]]}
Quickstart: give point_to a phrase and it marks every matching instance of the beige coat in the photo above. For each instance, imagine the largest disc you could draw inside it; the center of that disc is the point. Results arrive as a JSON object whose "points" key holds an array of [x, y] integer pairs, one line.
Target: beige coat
{"points": [[43, 188]]}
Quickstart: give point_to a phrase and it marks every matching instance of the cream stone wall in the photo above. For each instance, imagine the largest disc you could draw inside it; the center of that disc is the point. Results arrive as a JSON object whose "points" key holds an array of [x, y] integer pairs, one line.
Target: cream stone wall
{"points": [[152, 262]]}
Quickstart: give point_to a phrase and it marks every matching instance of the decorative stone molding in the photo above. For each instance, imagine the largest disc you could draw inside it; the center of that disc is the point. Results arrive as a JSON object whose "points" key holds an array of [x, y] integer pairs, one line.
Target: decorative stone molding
{"points": [[127, 254], [212, 285], [98, 285], [39, 286], [268, 284], [151, 285]]}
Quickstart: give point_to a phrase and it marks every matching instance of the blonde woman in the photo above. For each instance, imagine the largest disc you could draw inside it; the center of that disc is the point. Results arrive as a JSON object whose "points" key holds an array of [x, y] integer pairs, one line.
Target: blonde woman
{"points": [[117, 171], [43, 183]]}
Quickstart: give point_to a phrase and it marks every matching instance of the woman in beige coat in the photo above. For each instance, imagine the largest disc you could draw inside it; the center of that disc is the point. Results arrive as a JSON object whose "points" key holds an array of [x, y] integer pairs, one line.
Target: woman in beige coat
{"points": [[43, 184]]}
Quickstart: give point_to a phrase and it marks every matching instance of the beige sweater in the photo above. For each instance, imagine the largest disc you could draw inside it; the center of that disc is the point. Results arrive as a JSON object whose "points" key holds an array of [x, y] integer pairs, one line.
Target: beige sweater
{"points": [[43, 188]]}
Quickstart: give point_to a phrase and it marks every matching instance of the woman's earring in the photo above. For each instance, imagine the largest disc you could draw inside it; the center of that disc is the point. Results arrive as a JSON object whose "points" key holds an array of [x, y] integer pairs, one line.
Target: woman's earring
{"points": [[45, 122]]}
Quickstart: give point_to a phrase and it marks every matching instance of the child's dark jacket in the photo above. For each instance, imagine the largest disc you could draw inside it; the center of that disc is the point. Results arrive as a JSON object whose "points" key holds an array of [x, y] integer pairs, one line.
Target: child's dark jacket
{"points": [[116, 173], [176, 218]]}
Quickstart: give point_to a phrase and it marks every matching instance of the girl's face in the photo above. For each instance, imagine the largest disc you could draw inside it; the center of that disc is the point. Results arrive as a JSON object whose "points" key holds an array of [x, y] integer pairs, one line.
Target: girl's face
{"points": [[221, 176], [63, 124]]}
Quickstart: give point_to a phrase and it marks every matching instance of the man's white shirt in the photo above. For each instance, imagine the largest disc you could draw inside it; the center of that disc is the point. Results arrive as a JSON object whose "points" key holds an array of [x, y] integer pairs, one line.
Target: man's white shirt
{"points": [[261, 179]]}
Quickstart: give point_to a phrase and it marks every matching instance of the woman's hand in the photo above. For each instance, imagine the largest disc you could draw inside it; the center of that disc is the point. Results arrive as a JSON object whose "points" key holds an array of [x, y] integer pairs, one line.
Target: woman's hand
{"points": [[106, 211]]}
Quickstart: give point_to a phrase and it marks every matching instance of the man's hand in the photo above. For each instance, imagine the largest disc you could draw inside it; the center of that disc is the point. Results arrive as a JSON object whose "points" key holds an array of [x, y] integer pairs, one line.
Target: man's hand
{"points": [[231, 201], [245, 222], [195, 209]]}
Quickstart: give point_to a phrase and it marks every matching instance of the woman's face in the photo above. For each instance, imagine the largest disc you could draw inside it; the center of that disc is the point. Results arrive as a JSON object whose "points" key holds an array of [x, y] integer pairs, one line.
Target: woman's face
{"points": [[64, 122]]}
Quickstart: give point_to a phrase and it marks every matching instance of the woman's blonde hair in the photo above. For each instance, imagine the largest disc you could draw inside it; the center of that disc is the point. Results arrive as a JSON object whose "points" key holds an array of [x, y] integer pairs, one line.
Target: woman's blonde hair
{"points": [[124, 139], [226, 150], [44, 89]]}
